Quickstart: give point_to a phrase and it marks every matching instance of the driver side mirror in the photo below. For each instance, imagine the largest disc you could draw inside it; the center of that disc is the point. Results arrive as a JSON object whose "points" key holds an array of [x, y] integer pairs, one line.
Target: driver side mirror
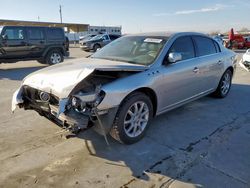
{"points": [[5, 37], [174, 57]]}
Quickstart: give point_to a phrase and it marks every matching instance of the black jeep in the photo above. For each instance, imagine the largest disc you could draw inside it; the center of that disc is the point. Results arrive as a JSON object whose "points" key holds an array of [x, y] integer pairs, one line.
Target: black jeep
{"points": [[45, 44]]}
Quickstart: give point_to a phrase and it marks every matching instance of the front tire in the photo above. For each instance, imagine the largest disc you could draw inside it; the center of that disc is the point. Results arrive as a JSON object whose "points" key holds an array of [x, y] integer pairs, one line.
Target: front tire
{"points": [[96, 47], [224, 85], [132, 118]]}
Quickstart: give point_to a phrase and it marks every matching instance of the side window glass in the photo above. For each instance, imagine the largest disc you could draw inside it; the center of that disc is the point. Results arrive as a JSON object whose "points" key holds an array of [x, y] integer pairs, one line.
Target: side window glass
{"points": [[35, 33], [183, 45], [205, 46], [55, 34], [14, 33], [217, 47], [105, 37]]}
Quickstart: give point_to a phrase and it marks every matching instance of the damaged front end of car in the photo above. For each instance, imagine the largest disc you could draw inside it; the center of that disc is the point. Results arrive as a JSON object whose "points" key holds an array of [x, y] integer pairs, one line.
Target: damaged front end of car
{"points": [[79, 110], [245, 61]]}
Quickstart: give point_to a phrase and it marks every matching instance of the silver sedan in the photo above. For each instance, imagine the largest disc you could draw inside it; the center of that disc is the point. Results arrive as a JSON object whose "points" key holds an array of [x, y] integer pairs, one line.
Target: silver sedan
{"points": [[121, 87]]}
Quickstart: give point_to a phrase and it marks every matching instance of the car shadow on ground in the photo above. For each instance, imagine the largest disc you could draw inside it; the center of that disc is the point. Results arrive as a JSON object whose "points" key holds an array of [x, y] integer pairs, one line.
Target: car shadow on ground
{"points": [[170, 136], [18, 73]]}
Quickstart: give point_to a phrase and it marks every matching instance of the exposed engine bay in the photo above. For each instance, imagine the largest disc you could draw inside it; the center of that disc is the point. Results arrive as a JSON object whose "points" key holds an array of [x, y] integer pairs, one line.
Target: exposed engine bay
{"points": [[78, 111]]}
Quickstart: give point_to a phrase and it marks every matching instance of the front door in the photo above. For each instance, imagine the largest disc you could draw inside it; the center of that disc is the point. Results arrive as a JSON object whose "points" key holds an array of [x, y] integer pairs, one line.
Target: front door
{"points": [[180, 81], [14, 42]]}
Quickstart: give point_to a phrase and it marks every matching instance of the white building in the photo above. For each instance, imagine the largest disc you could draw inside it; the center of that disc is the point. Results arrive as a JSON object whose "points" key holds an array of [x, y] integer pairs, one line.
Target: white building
{"points": [[95, 30], [104, 29]]}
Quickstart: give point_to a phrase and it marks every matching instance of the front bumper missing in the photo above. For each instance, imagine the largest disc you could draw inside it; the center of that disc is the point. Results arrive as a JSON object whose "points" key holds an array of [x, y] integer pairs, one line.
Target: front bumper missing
{"points": [[71, 121], [67, 118]]}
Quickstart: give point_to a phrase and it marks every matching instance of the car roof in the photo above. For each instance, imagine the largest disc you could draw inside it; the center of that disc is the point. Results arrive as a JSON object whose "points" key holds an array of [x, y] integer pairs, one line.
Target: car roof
{"points": [[167, 34], [30, 26]]}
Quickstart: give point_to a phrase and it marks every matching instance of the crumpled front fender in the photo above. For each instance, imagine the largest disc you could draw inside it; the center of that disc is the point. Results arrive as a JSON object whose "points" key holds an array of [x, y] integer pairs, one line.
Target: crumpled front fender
{"points": [[17, 99]]}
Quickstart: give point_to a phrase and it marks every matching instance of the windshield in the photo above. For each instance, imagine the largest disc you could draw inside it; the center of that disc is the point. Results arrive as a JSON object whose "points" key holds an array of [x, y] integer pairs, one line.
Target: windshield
{"points": [[86, 37], [97, 37], [141, 50]]}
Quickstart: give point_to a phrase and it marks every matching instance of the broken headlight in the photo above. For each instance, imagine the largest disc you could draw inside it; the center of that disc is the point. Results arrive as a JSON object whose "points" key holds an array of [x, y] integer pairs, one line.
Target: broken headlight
{"points": [[77, 104], [83, 102]]}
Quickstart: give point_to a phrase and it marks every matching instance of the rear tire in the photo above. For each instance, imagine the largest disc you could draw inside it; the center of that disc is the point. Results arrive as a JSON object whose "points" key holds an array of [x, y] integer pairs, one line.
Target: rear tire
{"points": [[54, 57], [130, 124], [224, 85]]}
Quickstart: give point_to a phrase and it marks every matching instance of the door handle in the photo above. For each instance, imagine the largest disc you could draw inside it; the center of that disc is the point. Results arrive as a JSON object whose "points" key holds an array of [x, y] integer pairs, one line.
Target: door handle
{"points": [[196, 70]]}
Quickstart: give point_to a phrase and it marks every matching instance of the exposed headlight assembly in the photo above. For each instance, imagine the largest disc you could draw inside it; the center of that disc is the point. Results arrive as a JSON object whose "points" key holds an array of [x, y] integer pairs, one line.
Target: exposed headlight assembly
{"points": [[84, 101]]}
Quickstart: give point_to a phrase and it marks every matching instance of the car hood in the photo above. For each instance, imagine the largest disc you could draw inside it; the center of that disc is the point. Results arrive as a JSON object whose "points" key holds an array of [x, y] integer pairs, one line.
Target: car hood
{"points": [[61, 79]]}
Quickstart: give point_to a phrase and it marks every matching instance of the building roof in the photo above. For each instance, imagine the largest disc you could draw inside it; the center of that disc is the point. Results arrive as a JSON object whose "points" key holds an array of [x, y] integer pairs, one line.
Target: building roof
{"points": [[73, 27]]}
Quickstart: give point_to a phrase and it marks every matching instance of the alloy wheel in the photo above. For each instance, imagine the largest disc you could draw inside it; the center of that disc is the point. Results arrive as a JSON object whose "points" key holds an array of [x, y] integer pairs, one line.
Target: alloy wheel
{"points": [[55, 58], [226, 83], [136, 119]]}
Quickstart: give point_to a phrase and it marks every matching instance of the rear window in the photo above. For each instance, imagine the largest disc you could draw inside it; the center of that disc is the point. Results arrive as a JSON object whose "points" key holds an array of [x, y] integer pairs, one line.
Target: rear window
{"points": [[205, 46], [35, 33], [217, 47], [55, 33]]}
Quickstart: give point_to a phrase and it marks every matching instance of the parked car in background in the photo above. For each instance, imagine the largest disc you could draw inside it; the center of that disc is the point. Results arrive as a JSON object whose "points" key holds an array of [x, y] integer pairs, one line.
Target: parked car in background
{"points": [[85, 38], [122, 86], [245, 61], [98, 42], [219, 39], [247, 42], [45, 44]]}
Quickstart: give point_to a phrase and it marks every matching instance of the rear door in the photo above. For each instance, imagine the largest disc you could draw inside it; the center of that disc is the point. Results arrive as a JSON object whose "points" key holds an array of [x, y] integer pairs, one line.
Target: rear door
{"points": [[14, 42], [36, 40], [55, 36], [211, 62]]}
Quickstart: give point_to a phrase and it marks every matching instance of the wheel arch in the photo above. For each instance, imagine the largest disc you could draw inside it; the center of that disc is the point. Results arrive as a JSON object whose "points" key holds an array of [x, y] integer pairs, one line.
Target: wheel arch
{"points": [[231, 69], [150, 93], [48, 50]]}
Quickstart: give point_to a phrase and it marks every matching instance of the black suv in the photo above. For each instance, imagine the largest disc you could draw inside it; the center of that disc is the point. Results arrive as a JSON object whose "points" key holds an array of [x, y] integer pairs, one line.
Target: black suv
{"points": [[45, 44]]}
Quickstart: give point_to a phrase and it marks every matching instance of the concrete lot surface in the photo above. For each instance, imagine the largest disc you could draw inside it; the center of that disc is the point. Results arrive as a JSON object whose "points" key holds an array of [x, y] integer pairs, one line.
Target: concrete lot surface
{"points": [[203, 144]]}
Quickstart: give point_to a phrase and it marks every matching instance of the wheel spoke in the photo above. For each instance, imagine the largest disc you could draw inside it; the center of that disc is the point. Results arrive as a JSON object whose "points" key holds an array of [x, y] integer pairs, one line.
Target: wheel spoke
{"points": [[136, 108], [142, 120], [134, 130], [141, 108], [131, 113], [144, 113], [128, 121], [131, 127]]}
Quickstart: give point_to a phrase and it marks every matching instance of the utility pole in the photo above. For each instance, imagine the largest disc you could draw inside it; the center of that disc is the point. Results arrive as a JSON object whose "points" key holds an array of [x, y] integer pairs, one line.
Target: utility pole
{"points": [[60, 11]]}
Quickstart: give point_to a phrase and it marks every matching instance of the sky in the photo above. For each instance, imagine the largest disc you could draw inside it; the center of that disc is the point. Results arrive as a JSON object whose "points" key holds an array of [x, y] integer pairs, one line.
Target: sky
{"points": [[136, 15]]}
